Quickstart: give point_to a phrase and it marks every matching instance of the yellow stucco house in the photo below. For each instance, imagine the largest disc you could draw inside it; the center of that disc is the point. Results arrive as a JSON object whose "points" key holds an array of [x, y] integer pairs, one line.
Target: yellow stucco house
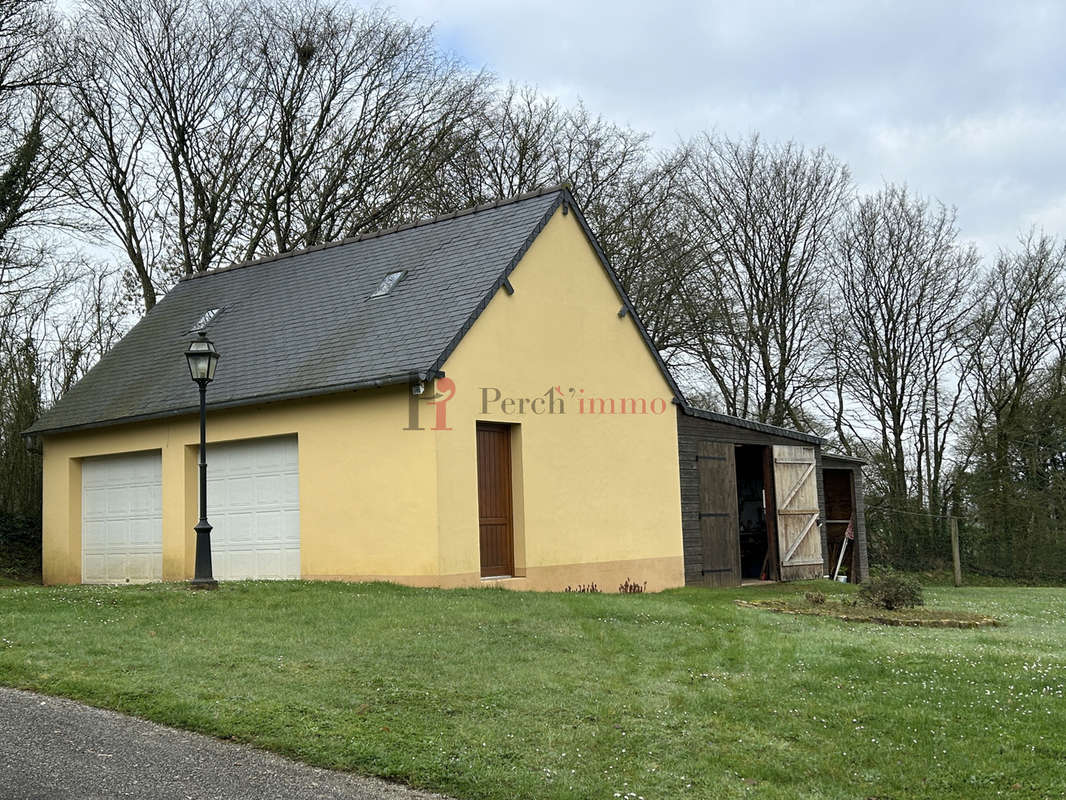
{"points": [[459, 401]]}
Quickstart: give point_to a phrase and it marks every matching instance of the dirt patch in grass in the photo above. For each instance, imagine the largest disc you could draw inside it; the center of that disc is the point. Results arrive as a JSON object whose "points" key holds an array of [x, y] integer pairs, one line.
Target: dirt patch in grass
{"points": [[913, 617]]}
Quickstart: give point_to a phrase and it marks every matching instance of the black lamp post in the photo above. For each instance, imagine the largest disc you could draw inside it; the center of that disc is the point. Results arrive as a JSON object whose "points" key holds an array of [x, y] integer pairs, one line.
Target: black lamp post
{"points": [[202, 357]]}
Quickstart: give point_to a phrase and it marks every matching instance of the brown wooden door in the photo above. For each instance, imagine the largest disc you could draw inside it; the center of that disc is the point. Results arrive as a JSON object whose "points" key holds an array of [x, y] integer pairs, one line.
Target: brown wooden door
{"points": [[719, 526], [494, 499]]}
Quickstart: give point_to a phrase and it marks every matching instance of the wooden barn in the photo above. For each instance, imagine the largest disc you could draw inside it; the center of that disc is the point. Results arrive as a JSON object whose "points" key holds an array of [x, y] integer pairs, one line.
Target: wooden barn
{"points": [[761, 503]]}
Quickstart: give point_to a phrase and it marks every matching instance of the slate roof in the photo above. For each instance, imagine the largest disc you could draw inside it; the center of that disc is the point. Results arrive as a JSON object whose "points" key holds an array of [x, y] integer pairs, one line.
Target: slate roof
{"points": [[750, 424], [303, 323]]}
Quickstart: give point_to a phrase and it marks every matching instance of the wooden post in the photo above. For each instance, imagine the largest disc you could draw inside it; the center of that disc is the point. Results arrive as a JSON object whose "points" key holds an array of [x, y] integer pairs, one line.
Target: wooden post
{"points": [[955, 550]]}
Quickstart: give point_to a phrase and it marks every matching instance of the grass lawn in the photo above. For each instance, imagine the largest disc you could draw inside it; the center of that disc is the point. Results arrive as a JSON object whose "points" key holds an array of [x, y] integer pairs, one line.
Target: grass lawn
{"points": [[496, 694]]}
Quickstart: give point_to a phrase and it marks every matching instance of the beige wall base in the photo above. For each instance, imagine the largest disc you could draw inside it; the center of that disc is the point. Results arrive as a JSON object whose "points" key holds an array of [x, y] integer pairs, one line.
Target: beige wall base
{"points": [[659, 573]]}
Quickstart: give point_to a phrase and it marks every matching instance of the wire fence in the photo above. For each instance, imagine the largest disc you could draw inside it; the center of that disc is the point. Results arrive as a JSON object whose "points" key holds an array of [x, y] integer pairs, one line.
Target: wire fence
{"points": [[921, 540]]}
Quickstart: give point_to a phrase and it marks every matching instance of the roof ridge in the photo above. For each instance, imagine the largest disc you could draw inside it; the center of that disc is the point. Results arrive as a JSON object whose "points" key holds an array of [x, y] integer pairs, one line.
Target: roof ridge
{"points": [[419, 223]]}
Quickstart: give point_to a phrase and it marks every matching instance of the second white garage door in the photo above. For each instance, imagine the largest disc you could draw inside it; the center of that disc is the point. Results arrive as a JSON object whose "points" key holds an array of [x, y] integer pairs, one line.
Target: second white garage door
{"points": [[254, 507]]}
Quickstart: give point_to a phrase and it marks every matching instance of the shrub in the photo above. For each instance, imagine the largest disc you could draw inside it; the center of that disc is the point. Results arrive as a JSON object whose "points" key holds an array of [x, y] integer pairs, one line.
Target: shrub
{"points": [[20, 547], [892, 591], [630, 587], [815, 598]]}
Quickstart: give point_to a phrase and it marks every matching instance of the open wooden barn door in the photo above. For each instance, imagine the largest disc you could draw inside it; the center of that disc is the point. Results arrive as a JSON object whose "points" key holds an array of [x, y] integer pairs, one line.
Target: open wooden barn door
{"points": [[718, 514], [798, 537]]}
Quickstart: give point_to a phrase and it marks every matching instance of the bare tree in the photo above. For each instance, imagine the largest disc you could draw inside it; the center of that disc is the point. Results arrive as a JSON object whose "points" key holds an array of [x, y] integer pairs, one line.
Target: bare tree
{"points": [[1021, 325], [649, 239], [764, 217], [515, 143], [904, 293], [31, 145], [114, 179], [525, 140], [79, 329], [33, 153], [362, 113], [34, 270], [43, 283], [166, 123], [1018, 346], [20, 403], [215, 130]]}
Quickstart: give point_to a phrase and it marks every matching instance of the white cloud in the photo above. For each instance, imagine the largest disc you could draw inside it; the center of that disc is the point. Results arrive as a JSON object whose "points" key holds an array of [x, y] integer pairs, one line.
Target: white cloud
{"points": [[963, 101]]}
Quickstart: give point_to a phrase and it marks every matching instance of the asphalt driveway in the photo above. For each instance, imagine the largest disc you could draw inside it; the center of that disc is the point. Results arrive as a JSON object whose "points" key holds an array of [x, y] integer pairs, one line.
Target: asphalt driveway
{"points": [[54, 749]]}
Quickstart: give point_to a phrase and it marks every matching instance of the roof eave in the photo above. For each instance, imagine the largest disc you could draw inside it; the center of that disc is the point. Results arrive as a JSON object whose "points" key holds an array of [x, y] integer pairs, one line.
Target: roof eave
{"points": [[497, 284], [624, 296], [277, 397], [740, 422], [858, 462]]}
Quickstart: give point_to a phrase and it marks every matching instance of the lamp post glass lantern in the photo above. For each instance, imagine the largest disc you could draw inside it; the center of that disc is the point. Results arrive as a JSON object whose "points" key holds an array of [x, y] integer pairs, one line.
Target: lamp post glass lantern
{"points": [[203, 357]]}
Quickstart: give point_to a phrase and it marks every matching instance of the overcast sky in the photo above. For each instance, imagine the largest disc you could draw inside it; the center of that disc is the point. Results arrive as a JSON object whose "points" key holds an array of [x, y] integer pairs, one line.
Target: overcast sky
{"points": [[964, 101]]}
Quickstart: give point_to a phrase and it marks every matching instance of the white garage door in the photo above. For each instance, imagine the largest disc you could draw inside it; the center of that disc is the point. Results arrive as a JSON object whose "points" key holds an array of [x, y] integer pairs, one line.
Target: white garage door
{"points": [[122, 519], [254, 508]]}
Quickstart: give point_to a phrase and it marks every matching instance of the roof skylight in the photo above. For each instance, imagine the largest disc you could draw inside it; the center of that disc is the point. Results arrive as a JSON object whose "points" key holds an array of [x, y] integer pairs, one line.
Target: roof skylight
{"points": [[205, 319], [388, 283]]}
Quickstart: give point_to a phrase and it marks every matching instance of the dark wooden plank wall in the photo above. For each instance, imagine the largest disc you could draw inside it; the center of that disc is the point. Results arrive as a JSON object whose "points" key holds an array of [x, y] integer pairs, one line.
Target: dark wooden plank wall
{"points": [[690, 432], [860, 527]]}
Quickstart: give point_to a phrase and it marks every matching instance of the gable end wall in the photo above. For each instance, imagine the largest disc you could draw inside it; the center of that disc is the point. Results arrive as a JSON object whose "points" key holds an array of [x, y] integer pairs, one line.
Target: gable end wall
{"points": [[597, 496]]}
